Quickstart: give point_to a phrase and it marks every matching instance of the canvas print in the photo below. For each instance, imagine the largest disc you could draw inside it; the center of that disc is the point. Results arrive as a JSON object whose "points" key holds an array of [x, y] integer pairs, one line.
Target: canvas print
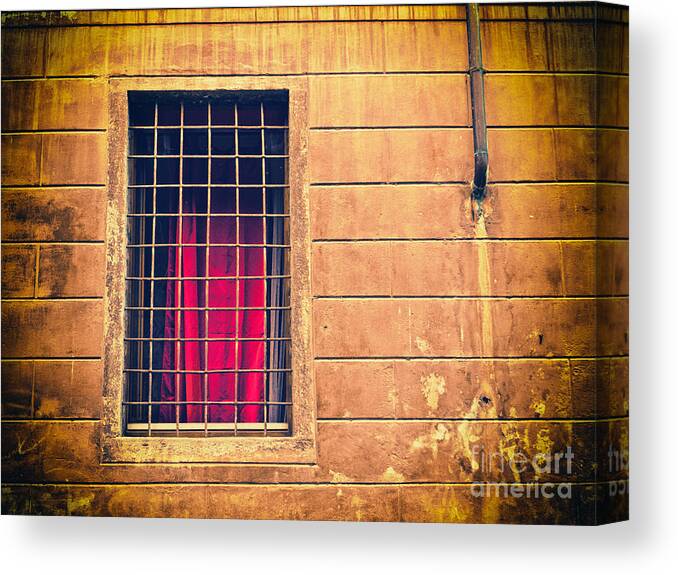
{"points": [[356, 263]]}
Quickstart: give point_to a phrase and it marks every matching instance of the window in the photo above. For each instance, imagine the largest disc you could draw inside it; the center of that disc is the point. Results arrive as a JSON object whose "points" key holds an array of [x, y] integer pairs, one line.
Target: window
{"points": [[208, 273], [207, 331]]}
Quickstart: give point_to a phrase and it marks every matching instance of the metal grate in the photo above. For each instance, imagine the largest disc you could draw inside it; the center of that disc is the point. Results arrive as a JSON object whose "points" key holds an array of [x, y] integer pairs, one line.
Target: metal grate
{"points": [[207, 331]]}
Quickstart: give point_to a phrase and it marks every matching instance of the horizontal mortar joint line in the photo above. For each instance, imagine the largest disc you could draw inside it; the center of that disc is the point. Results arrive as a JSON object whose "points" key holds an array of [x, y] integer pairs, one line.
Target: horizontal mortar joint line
{"points": [[53, 25], [575, 72], [382, 358], [51, 420], [55, 131], [545, 127], [382, 183], [462, 183], [464, 127], [559, 73], [467, 297], [433, 359], [288, 483], [497, 127], [51, 299], [48, 78], [460, 72], [54, 242], [491, 182], [51, 186], [473, 419], [471, 239], [54, 358], [557, 127]]}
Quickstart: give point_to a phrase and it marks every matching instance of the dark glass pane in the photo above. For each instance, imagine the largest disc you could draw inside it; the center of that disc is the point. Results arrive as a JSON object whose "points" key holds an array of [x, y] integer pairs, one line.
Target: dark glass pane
{"points": [[167, 200], [193, 231], [168, 142], [249, 114], [223, 142], [251, 200], [249, 142], [222, 200], [139, 263], [275, 141], [168, 171], [275, 170], [164, 261], [138, 354], [195, 142], [141, 171], [194, 200], [223, 114], [142, 114], [137, 390], [169, 114], [275, 113], [223, 170], [141, 322], [164, 293], [166, 230], [195, 171], [275, 200], [249, 171], [141, 142], [140, 200], [195, 114], [140, 231]]}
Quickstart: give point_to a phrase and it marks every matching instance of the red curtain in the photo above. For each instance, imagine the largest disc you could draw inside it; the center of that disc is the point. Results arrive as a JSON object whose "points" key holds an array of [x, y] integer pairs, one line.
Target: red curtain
{"points": [[221, 327]]}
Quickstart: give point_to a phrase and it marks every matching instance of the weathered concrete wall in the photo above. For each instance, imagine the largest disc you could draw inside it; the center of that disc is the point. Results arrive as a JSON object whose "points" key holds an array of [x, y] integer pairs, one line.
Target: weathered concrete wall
{"points": [[434, 333]]}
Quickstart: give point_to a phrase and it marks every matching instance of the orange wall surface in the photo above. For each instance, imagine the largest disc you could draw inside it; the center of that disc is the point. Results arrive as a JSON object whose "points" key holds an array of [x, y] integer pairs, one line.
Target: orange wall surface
{"points": [[435, 329]]}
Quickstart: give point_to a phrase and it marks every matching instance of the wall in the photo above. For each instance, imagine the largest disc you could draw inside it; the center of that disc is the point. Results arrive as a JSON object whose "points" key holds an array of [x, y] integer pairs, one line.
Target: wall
{"points": [[435, 332]]}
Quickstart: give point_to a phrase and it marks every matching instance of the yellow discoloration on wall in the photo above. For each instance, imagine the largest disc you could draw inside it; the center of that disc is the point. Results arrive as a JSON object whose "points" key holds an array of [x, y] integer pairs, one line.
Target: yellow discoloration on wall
{"points": [[466, 428], [510, 444], [79, 505], [544, 447], [491, 509], [433, 386], [562, 400], [448, 510], [358, 503], [337, 477], [539, 407], [392, 476], [422, 344], [392, 397], [439, 434], [485, 288]]}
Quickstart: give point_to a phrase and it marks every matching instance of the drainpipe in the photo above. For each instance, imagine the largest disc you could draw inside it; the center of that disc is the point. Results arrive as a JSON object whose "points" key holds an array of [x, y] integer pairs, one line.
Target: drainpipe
{"points": [[475, 59]]}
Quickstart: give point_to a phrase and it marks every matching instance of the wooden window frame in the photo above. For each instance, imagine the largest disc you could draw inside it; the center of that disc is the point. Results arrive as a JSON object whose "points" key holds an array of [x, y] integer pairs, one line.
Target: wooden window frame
{"points": [[300, 445]]}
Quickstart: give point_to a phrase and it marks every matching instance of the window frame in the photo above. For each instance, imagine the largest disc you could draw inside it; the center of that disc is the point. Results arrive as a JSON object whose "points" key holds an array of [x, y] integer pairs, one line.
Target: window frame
{"points": [[300, 445]]}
